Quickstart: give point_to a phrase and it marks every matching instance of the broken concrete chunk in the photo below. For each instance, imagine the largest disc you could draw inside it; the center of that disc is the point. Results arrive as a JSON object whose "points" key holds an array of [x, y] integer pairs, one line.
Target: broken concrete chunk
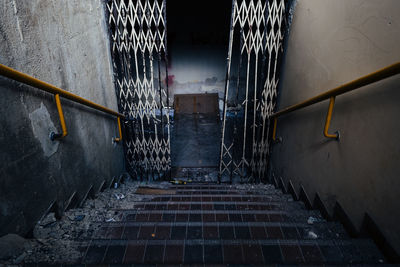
{"points": [[311, 220], [11, 245], [119, 196], [77, 218], [312, 235], [20, 258], [49, 220]]}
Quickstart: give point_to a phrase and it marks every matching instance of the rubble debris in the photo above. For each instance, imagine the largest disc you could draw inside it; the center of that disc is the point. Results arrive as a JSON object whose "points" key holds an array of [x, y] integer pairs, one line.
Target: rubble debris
{"points": [[180, 181], [49, 220], [315, 219], [312, 235], [56, 240], [12, 246], [311, 220], [154, 191], [200, 174], [20, 258], [260, 187], [78, 218], [119, 196]]}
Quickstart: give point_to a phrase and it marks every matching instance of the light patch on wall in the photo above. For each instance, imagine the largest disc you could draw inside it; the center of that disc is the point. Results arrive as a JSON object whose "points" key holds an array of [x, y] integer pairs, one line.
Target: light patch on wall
{"points": [[42, 125]]}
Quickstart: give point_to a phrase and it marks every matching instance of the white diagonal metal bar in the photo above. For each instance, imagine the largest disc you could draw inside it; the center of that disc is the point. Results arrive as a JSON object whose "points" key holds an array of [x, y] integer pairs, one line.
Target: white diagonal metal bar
{"points": [[260, 26]]}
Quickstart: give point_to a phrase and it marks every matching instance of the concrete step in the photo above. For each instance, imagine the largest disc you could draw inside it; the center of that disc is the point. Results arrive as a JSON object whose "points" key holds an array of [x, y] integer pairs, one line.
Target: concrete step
{"points": [[217, 225], [222, 205], [209, 197], [258, 252], [217, 230]]}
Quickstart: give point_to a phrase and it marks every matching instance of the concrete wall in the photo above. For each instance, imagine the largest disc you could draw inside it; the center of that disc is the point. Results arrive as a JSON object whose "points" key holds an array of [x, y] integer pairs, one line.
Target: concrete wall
{"points": [[197, 69], [333, 42], [66, 44]]}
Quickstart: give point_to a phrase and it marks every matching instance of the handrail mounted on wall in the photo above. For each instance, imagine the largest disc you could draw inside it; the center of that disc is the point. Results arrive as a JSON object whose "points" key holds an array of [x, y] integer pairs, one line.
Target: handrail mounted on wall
{"points": [[29, 80], [331, 94]]}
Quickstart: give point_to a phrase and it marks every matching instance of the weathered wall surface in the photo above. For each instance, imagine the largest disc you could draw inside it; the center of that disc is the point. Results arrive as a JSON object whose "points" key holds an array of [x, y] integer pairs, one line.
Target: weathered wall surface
{"points": [[333, 42], [197, 69], [66, 44]]}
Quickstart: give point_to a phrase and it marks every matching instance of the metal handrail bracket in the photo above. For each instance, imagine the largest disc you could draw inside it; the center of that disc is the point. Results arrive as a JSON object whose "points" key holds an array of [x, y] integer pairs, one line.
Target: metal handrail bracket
{"points": [[53, 135]]}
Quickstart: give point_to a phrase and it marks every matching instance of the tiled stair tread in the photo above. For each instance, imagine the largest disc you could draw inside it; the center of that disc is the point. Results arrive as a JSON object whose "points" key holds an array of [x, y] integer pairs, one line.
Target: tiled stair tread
{"points": [[188, 211], [258, 187], [200, 211], [222, 205], [222, 193], [230, 251], [181, 231], [222, 202], [229, 190], [226, 191], [219, 197], [222, 224], [210, 216], [212, 186], [214, 223], [360, 242], [216, 206], [221, 215], [225, 195]]}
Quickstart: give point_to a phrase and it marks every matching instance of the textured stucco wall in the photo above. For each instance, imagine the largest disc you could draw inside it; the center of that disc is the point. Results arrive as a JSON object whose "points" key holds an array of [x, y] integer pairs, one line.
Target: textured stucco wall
{"points": [[66, 44], [330, 43]]}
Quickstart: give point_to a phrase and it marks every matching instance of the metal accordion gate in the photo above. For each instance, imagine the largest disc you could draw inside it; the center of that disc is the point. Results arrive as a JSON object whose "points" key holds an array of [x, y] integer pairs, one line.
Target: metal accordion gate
{"points": [[138, 32], [255, 49]]}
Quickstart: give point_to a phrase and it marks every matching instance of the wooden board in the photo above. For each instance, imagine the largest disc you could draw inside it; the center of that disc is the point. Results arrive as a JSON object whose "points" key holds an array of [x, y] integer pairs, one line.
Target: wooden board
{"points": [[196, 103]]}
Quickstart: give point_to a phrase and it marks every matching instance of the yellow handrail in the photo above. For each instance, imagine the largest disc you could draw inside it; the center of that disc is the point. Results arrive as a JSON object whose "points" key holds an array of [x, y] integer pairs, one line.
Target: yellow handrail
{"points": [[29, 80], [328, 120], [119, 131], [331, 94], [62, 120]]}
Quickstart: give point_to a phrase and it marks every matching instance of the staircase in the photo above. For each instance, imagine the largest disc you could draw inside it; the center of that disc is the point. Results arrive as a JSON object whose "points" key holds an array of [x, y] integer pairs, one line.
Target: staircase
{"points": [[225, 225]]}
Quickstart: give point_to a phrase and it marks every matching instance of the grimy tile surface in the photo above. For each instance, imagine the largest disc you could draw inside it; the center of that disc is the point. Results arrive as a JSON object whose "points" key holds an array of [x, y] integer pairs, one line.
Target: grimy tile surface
{"points": [[211, 224]]}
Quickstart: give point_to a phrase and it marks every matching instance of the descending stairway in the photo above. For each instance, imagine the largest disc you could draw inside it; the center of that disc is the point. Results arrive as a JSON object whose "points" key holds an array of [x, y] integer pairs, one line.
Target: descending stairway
{"points": [[221, 224]]}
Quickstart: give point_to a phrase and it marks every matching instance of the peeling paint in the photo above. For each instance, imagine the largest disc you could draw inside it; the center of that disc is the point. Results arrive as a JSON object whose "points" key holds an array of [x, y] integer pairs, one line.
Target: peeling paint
{"points": [[18, 24], [42, 125]]}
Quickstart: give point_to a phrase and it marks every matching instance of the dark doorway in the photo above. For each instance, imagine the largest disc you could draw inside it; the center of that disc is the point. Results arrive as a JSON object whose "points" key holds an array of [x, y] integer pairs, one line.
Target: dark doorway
{"points": [[196, 131], [198, 36]]}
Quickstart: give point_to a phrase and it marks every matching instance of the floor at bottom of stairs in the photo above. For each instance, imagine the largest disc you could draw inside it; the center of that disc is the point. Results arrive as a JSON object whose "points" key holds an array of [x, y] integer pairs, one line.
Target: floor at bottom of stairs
{"points": [[196, 224]]}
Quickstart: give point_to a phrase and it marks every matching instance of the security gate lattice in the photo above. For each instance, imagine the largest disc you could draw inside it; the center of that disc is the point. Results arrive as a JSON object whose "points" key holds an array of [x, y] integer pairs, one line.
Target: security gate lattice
{"points": [[256, 38], [139, 50]]}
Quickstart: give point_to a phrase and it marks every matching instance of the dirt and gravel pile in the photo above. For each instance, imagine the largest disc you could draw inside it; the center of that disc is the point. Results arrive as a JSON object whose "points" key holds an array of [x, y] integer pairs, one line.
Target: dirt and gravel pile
{"points": [[56, 240]]}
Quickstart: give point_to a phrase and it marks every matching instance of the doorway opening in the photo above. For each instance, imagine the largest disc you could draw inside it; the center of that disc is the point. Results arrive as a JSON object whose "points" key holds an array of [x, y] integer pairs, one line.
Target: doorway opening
{"points": [[195, 135]]}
